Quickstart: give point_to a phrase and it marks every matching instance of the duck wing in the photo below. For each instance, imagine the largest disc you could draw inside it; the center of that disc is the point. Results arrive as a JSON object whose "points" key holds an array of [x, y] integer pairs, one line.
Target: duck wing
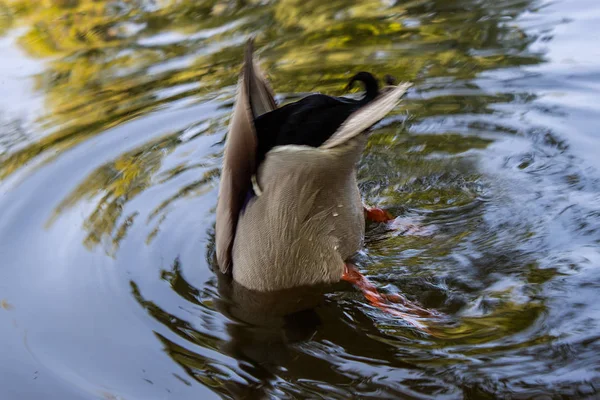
{"points": [[254, 98], [367, 116]]}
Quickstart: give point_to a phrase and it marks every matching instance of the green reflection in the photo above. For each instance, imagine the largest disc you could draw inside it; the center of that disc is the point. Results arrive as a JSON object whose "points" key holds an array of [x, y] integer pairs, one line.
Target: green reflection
{"points": [[111, 186], [507, 319], [112, 61]]}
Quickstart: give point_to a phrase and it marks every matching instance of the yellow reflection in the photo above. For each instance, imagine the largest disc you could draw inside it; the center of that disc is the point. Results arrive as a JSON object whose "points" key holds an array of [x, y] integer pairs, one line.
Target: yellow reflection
{"points": [[110, 187], [109, 62]]}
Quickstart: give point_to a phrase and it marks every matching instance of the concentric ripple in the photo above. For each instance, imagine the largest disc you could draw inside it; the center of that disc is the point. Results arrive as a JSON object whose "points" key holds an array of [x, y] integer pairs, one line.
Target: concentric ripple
{"points": [[113, 117]]}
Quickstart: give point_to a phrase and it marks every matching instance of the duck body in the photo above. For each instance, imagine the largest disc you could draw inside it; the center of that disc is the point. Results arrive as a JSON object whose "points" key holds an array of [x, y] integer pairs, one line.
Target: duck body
{"points": [[300, 230], [289, 212]]}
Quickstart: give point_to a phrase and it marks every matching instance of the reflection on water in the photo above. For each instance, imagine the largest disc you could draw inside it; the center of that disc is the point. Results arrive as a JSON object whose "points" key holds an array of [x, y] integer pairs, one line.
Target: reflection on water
{"points": [[108, 191]]}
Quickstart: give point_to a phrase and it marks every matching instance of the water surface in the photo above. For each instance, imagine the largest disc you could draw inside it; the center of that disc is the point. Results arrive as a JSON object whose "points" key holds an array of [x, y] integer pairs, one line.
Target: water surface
{"points": [[112, 120]]}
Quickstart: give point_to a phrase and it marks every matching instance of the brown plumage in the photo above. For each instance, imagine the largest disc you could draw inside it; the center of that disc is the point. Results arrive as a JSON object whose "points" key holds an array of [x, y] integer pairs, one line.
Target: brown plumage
{"points": [[305, 216]]}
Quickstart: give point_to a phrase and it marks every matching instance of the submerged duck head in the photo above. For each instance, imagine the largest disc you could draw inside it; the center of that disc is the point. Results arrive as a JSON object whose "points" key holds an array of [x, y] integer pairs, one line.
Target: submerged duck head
{"points": [[289, 211]]}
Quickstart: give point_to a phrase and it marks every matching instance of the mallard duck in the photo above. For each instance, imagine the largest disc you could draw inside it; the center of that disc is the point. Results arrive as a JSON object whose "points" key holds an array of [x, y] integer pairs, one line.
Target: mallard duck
{"points": [[289, 211]]}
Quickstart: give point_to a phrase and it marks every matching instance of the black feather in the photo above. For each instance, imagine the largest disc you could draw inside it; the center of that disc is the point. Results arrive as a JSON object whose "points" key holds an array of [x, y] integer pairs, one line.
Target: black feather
{"points": [[311, 120]]}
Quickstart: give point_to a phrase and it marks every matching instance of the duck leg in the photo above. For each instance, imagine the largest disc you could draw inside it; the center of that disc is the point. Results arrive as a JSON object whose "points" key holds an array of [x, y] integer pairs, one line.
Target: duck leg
{"points": [[394, 304]]}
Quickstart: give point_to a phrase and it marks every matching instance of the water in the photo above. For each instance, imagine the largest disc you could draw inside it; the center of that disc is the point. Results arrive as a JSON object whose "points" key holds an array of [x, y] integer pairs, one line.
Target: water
{"points": [[112, 122]]}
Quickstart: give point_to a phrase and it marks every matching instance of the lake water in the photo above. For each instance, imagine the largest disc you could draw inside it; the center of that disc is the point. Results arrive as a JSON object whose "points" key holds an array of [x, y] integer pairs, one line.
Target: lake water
{"points": [[112, 120]]}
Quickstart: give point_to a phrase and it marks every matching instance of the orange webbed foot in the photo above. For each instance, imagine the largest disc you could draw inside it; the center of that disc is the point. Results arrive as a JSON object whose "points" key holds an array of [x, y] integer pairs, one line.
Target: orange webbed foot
{"points": [[394, 304], [377, 214], [401, 225]]}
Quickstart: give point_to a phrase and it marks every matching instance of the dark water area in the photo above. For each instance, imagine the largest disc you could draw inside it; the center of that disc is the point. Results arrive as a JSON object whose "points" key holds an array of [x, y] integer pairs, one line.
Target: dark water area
{"points": [[113, 116]]}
